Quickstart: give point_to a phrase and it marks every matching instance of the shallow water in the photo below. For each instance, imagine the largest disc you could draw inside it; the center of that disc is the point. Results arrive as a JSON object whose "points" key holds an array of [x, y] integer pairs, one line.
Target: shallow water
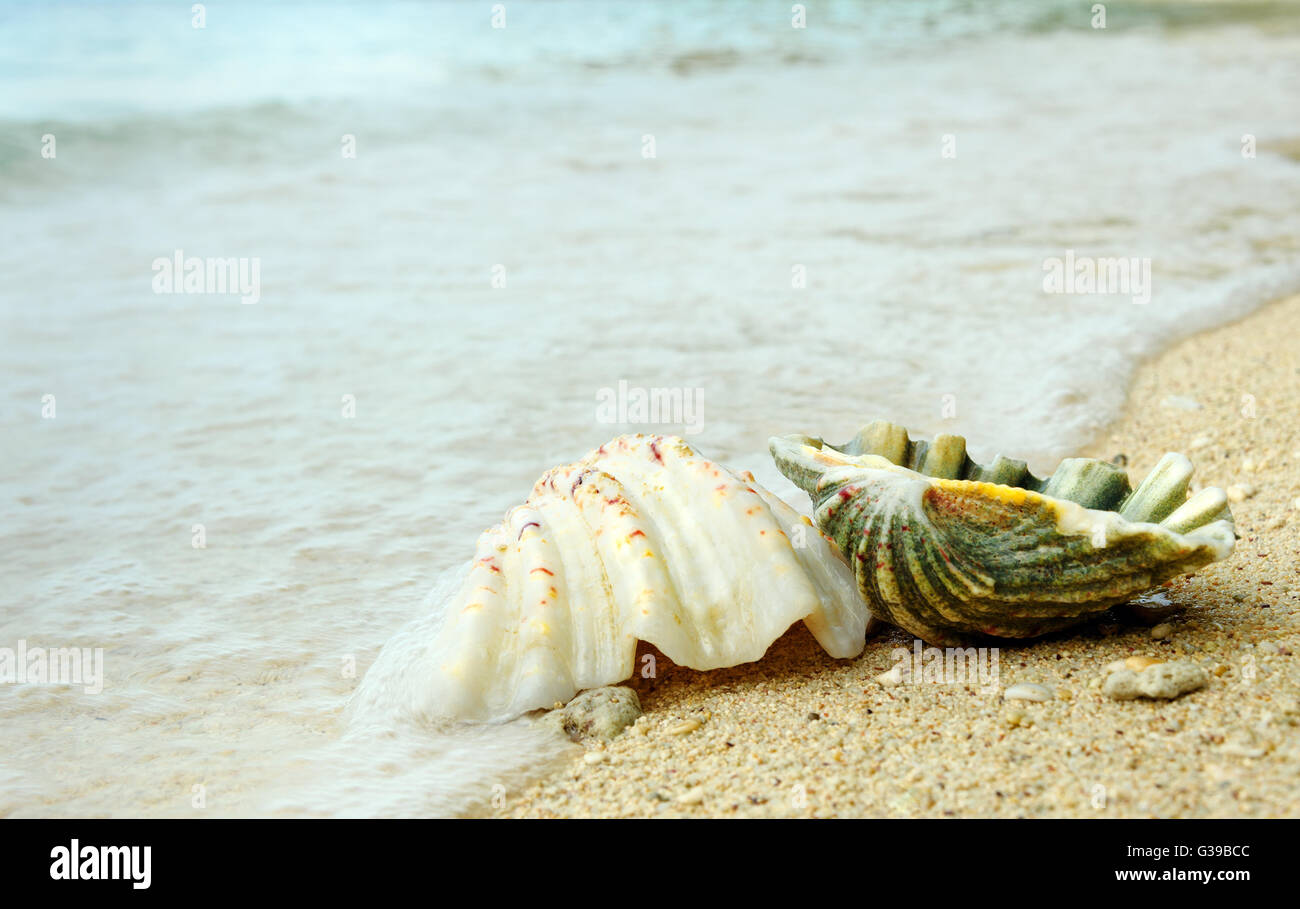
{"points": [[228, 666]]}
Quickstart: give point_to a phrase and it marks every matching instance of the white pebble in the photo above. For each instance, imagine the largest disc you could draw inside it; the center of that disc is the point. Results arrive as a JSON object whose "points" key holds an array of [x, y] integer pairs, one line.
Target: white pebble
{"points": [[1181, 402], [1162, 631], [1163, 680], [892, 677], [1241, 492], [693, 797], [1028, 691]]}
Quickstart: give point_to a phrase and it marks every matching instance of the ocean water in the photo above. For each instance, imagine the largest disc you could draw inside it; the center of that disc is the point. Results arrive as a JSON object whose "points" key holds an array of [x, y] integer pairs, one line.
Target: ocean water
{"points": [[437, 315]]}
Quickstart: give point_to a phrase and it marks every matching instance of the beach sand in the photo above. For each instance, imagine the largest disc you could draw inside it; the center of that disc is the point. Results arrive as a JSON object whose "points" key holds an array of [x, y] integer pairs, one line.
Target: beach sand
{"points": [[800, 734]]}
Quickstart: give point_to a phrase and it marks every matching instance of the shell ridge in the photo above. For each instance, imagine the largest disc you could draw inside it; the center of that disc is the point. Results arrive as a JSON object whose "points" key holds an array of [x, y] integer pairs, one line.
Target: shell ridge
{"points": [[676, 560], [840, 622]]}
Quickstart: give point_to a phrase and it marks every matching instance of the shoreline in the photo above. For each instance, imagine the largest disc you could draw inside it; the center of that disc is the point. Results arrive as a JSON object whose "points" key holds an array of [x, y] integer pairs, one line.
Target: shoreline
{"points": [[799, 734]]}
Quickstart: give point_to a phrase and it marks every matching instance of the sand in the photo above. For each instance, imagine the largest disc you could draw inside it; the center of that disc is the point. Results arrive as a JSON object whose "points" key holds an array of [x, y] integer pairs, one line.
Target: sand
{"points": [[800, 734]]}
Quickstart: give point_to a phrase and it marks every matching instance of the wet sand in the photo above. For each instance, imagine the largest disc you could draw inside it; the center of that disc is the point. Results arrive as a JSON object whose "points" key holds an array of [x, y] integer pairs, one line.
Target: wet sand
{"points": [[800, 734]]}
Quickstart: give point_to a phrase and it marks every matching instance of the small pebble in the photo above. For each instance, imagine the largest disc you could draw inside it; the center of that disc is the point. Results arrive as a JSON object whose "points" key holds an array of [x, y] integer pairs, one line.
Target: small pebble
{"points": [[692, 797], [1162, 631], [1240, 492], [1200, 442], [598, 714], [892, 677], [1243, 743], [1162, 680], [1181, 402], [684, 728], [594, 757], [1028, 691]]}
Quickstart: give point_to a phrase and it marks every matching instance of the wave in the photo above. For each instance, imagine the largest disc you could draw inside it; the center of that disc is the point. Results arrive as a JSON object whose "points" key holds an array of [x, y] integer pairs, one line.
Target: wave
{"points": [[145, 58]]}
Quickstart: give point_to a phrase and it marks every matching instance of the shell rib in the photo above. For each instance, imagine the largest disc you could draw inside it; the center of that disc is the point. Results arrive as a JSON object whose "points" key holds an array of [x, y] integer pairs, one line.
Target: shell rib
{"points": [[642, 539], [948, 549]]}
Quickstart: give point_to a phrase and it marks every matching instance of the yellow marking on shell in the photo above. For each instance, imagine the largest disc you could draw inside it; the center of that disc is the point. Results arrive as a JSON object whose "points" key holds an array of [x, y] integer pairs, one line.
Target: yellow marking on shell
{"points": [[1011, 495], [474, 606], [1071, 518], [832, 458]]}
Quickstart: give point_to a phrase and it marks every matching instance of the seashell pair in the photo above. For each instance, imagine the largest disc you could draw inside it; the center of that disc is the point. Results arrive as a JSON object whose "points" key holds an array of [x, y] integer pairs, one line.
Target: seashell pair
{"points": [[946, 548], [641, 540], [644, 539]]}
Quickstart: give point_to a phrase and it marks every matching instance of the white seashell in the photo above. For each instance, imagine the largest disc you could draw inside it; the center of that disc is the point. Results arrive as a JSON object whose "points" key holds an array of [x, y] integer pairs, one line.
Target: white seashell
{"points": [[641, 540]]}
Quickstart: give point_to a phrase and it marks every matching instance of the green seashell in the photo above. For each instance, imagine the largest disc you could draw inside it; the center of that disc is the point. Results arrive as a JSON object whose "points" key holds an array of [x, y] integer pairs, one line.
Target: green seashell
{"points": [[949, 549]]}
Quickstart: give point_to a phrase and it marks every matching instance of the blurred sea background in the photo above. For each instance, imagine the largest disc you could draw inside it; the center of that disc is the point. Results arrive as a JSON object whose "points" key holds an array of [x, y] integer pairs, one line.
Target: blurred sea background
{"points": [[524, 147]]}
